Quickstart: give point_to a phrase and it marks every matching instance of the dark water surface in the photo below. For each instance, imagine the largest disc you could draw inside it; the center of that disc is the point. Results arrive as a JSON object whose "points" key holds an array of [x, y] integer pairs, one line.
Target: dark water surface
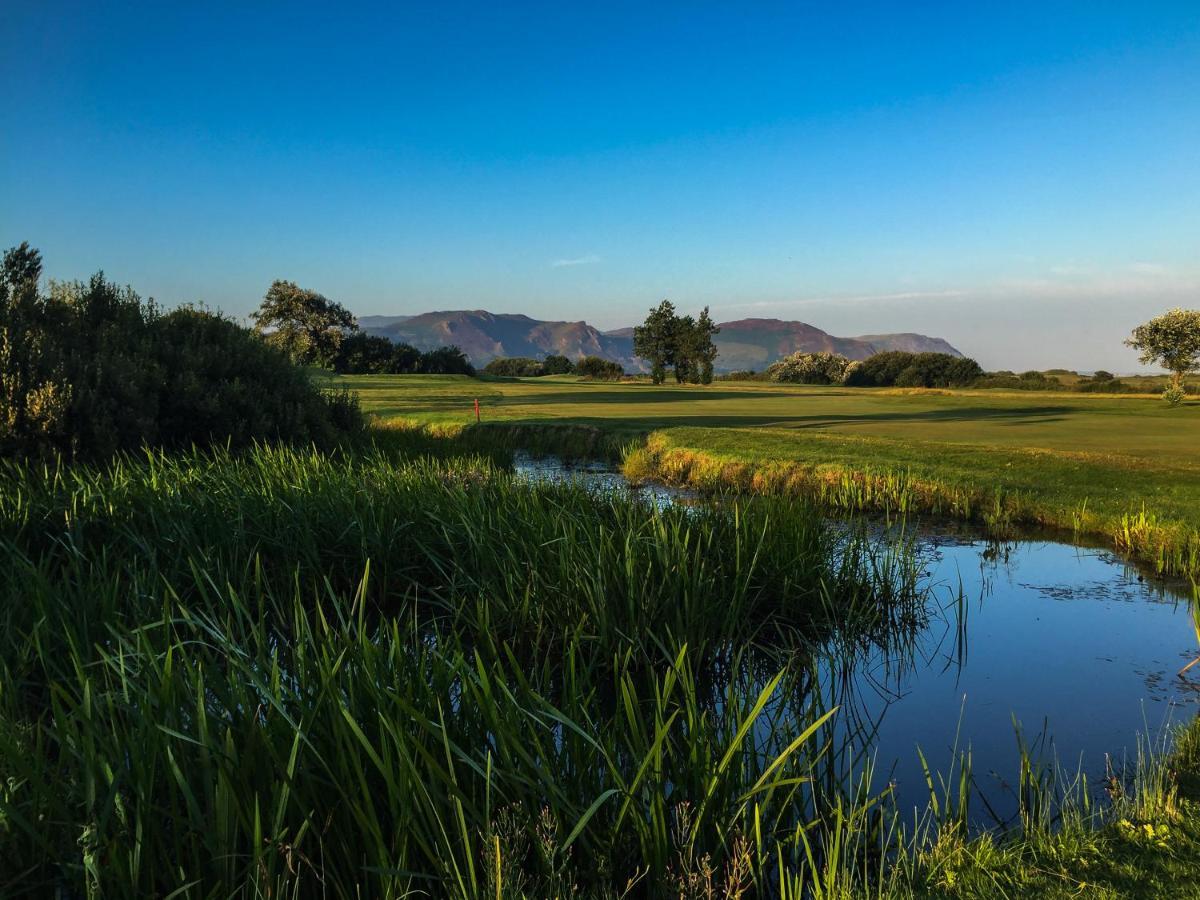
{"points": [[1069, 644]]}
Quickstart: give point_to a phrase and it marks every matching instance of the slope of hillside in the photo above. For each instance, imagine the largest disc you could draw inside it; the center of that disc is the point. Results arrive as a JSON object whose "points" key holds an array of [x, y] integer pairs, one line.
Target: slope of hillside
{"points": [[909, 342], [483, 335], [742, 344]]}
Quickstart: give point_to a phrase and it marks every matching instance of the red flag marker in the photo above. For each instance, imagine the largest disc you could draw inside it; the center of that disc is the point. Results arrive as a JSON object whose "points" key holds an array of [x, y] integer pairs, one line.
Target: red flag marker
{"points": [[476, 409]]}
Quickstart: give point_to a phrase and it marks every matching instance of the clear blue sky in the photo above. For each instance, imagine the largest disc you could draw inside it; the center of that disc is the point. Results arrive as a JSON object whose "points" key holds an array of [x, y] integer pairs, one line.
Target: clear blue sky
{"points": [[1020, 178]]}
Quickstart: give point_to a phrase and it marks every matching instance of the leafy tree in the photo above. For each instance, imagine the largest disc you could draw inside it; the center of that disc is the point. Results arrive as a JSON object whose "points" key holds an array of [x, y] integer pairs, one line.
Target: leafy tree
{"points": [[702, 349], [554, 364], [406, 360], [32, 396], [446, 361], [304, 324], [683, 338], [686, 344], [1171, 340], [654, 340], [364, 354]]}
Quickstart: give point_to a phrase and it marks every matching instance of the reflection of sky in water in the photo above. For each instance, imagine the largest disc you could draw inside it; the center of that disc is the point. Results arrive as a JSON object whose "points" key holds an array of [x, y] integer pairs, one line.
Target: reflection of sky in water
{"points": [[1064, 639]]}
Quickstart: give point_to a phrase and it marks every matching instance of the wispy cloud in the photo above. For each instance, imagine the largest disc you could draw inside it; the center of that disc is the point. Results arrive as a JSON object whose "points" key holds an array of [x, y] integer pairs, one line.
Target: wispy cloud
{"points": [[588, 260], [1069, 269], [859, 298], [1149, 268]]}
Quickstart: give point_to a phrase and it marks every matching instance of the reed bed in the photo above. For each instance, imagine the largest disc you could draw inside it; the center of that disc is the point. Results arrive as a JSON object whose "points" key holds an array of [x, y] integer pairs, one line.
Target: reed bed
{"points": [[288, 673], [1171, 547], [295, 673]]}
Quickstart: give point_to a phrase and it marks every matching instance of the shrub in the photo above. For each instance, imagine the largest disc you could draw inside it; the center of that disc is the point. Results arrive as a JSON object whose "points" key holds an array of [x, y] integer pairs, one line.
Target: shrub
{"points": [[554, 364], [599, 368], [90, 369], [1026, 381], [445, 361], [361, 353], [514, 367], [1174, 394], [743, 375], [370, 354], [810, 368], [897, 368]]}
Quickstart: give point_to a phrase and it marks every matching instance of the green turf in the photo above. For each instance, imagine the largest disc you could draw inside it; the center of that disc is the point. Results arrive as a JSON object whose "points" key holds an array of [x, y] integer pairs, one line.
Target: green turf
{"points": [[1133, 426], [1059, 449]]}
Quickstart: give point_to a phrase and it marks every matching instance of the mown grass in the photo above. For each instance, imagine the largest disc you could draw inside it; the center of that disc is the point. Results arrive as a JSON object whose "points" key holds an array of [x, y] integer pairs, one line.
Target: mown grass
{"points": [[297, 674], [1116, 468]]}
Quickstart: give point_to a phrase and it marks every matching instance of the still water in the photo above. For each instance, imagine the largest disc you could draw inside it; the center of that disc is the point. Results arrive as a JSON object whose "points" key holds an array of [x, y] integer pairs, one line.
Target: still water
{"points": [[1069, 645]]}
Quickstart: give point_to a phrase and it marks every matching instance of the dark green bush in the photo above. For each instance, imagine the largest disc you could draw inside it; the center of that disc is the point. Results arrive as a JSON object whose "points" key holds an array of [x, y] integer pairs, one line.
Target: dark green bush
{"points": [[371, 354], [90, 369], [514, 367], [554, 364], [897, 368], [1026, 381], [445, 361], [598, 367], [743, 375]]}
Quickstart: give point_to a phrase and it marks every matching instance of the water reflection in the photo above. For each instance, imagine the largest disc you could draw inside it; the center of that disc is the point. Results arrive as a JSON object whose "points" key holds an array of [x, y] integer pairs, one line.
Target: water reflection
{"points": [[1066, 648]]}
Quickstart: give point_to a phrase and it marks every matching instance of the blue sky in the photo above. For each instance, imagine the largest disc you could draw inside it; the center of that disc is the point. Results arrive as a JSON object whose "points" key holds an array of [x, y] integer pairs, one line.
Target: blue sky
{"points": [[1022, 179]]}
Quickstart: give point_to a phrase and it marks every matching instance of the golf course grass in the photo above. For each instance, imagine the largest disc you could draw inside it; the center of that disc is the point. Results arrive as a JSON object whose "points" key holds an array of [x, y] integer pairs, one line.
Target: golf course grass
{"points": [[1123, 468]]}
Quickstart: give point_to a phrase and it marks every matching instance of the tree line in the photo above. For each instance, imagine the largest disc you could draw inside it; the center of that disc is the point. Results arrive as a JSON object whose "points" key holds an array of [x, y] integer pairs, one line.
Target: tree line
{"points": [[316, 331], [596, 367]]}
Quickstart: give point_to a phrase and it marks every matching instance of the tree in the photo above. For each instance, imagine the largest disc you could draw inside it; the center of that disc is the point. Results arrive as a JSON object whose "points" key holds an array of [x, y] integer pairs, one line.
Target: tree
{"points": [[304, 324], [654, 340], [683, 339], [682, 342], [703, 349], [363, 354], [1171, 340], [446, 361]]}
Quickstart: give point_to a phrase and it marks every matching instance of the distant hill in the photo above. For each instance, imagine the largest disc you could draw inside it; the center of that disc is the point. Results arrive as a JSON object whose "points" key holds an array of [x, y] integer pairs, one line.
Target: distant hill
{"points": [[909, 342], [743, 344], [483, 336]]}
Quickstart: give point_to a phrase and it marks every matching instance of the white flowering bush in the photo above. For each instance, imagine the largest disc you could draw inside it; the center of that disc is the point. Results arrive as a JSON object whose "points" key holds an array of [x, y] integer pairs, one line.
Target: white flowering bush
{"points": [[811, 368]]}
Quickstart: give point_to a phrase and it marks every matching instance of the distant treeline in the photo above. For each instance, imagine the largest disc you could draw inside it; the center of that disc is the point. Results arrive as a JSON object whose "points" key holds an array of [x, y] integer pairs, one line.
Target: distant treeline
{"points": [[927, 370], [368, 354], [524, 367], [88, 369]]}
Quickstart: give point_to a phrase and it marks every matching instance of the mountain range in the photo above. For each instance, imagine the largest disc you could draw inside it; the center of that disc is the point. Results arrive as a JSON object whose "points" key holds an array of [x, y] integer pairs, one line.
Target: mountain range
{"points": [[742, 344]]}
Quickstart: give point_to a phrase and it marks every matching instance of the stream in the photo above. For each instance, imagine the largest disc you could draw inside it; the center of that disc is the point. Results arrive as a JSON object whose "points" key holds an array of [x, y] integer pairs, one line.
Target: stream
{"points": [[1070, 646]]}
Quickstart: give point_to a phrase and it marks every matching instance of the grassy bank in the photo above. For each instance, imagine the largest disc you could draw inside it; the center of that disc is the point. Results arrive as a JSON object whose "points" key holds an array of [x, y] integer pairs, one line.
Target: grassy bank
{"points": [[297, 674], [1116, 468]]}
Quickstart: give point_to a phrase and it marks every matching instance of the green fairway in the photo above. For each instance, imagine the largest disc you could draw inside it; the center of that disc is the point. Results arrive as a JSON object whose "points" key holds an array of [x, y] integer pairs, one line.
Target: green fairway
{"points": [[1132, 426], [1063, 459]]}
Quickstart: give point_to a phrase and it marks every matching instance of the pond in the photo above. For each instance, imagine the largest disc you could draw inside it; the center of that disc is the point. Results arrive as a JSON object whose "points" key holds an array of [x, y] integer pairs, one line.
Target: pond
{"points": [[1071, 645]]}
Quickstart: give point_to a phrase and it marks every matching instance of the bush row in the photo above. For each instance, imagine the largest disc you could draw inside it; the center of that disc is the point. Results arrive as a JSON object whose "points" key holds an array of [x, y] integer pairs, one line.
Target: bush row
{"points": [[554, 364], [369, 354]]}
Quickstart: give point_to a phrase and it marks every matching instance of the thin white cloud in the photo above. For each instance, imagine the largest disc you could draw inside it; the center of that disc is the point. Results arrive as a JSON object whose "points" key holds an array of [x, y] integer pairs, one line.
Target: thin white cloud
{"points": [[588, 260], [860, 298], [1149, 268]]}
